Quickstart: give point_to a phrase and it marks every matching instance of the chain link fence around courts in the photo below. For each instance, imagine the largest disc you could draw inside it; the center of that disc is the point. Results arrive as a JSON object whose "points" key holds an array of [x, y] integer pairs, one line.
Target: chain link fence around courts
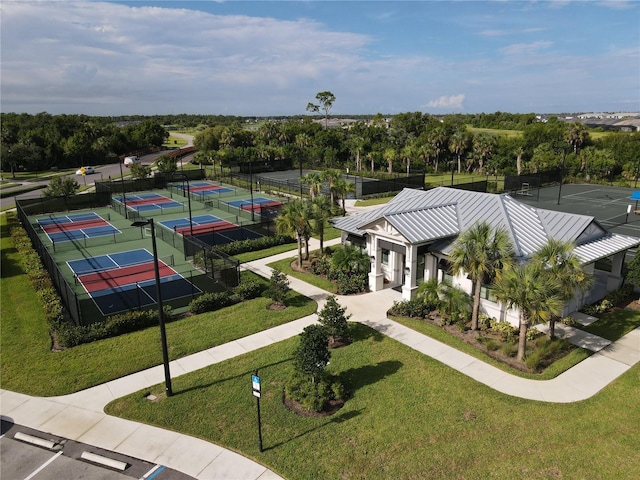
{"points": [[529, 185]]}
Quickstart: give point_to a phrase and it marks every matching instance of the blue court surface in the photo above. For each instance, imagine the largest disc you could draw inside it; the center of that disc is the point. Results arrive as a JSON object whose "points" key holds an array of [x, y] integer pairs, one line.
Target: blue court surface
{"points": [[178, 223], [79, 226], [62, 219], [256, 201], [107, 262]]}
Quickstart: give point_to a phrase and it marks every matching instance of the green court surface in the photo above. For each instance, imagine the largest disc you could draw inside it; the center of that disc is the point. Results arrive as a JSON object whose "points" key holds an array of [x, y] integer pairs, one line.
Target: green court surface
{"points": [[126, 238]]}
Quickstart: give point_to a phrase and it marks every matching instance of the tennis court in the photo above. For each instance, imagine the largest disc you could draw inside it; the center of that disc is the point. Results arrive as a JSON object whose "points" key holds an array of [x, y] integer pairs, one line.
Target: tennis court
{"points": [[256, 204], [65, 228], [118, 282], [613, 207], [144, 202]]}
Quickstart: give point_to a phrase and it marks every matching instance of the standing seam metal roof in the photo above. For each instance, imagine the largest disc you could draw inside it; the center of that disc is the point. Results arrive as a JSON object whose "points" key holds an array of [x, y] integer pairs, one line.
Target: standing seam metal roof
{"points": [[422, 216]]}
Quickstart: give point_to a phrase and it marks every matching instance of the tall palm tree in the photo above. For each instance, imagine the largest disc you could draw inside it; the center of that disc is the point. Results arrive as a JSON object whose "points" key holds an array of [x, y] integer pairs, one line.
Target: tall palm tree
{"points": [[559, 261], [331, 176], [482, 253], [390, 155], [458, 145], [344, 187], [533, 292], [314, 180], [293, 219], [320, 213]]}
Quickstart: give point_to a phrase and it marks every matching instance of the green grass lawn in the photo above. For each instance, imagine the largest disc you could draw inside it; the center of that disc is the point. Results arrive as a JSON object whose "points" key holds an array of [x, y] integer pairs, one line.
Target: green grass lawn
{"points": [[320, 282], [615, 324], [409, 417]]}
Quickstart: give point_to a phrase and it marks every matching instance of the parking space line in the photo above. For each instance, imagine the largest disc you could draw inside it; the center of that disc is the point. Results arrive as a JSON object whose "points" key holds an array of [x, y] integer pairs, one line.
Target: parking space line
{"points": [[43, 466], [154, 472]]}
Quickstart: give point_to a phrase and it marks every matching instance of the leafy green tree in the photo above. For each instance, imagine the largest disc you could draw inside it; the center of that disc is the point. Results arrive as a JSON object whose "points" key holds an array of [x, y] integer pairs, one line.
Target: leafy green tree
{"points": [[61, 187], [482, 253], [279, 286], [166, 164], [139, 171], [325, 100], [334, 318], [534, 293], [561, 264], [312, 355]]}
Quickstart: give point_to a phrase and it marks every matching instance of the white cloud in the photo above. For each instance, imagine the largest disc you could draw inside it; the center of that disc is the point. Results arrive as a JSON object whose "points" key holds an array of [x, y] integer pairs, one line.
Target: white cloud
{"points": [[110, 59], [454, 102], [526, 48]]}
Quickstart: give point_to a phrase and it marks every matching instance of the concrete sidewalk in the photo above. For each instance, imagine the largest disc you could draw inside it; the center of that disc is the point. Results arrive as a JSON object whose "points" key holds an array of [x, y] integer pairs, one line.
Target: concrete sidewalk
{"points": [[80, 416]]}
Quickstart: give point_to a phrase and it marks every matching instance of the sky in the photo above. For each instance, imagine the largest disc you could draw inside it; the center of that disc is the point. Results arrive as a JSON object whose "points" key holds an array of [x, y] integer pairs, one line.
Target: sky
{"points": [[268, 58]]}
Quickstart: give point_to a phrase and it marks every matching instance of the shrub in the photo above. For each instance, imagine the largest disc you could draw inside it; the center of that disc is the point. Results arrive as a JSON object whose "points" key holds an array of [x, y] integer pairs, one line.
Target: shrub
{"points": [[411, 308], [351, 283], [321, 265], [314, 396], [279, 286], [484, 322], [254, 244], [506, 331], [509, 349], [569, 321], [70, 335], [333, 317], [248, 289], [208, 302]]}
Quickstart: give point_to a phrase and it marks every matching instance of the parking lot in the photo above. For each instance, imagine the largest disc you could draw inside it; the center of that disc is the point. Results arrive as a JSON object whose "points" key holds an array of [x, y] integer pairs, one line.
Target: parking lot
{"points": [[30, 454]]}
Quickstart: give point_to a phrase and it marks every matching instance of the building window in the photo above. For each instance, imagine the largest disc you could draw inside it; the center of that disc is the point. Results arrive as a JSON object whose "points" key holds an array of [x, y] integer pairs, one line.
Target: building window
{"points": [[385, 256], [420, 270]]}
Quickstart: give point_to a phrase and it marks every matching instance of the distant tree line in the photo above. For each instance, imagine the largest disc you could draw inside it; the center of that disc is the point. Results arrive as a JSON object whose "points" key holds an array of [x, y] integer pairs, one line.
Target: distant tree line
{"points": [[398, 144]]}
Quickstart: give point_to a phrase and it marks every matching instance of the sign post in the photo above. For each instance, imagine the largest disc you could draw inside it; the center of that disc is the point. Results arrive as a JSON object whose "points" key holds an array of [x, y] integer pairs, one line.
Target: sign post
{"points": [[255, 384]]}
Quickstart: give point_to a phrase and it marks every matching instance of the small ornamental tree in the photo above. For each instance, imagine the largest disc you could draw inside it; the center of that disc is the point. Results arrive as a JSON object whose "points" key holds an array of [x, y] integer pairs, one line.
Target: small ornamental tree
{"points": [[334, 319], [312, 355], [140, 171], [61, 187], [279, 286]]}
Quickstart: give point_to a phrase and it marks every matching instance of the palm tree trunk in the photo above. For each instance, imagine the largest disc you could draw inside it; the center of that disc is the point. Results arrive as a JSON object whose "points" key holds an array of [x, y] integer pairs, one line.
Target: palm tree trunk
{"points": [[476, 304], [552, 328], [459, 164], [299, 251], [522, 339]]}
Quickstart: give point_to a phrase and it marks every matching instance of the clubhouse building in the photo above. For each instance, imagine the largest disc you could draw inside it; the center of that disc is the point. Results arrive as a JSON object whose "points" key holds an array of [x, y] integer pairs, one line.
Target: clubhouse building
{"points": [[409, 240]]}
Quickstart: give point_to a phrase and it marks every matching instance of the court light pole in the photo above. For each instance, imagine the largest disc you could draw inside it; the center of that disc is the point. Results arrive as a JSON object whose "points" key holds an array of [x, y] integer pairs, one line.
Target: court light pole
{"points": [[163, 333], [124, 197], [184, 177]]}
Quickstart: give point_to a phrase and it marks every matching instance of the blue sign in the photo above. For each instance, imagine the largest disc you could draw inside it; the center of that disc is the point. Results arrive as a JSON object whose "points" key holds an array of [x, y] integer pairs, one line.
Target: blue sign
{"points": [[255, 383]]}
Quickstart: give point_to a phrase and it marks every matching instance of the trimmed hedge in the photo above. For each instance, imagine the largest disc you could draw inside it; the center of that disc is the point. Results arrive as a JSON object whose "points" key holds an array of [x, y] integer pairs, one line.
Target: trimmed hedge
{"points": [[254, 244], [208, 302]]}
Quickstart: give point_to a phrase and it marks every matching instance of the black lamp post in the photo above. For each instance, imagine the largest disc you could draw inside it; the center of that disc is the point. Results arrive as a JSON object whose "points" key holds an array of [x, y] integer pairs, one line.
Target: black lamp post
{"points": [[124, 196], [184, 177], [163, 333]]}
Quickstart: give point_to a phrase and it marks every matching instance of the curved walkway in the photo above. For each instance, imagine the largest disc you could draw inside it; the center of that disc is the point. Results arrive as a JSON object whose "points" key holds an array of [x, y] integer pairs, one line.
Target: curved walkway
{"points": [[80, 416]]}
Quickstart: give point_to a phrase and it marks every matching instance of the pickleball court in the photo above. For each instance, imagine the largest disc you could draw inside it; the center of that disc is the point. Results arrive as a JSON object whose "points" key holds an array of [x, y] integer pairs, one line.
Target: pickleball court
{"points": [[65, 228], [124, 281]]}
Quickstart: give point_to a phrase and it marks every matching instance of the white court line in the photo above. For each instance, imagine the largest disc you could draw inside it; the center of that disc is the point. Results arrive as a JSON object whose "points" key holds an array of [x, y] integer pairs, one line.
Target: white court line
{"points": [[43, 466]]}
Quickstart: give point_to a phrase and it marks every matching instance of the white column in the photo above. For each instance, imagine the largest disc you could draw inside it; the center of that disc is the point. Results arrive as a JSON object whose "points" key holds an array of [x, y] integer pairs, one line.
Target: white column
{"points": [[411, 264], [376, 279]]}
